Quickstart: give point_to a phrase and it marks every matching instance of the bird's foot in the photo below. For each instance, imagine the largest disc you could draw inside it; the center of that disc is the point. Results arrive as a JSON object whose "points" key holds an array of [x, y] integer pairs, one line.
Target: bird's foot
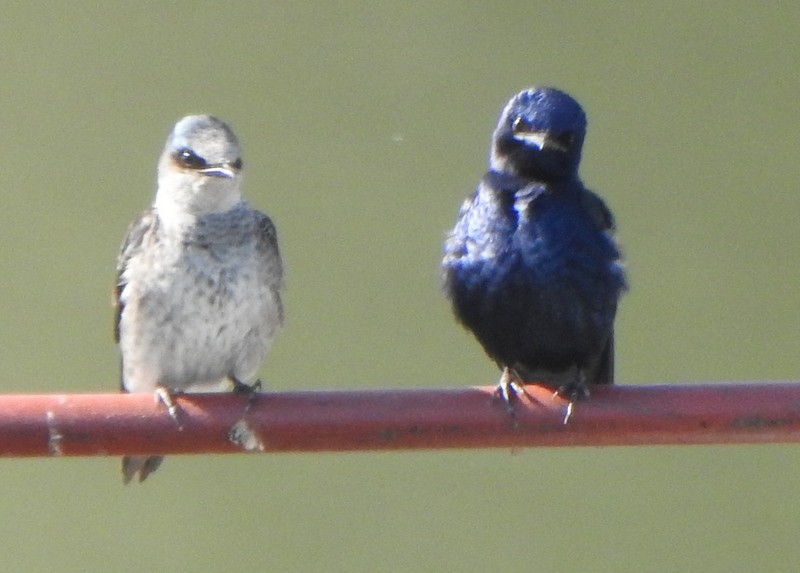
{"points": [[573, 391], [509, 388], [165, 397], [251, 390], [240, 387], [241, 433]]}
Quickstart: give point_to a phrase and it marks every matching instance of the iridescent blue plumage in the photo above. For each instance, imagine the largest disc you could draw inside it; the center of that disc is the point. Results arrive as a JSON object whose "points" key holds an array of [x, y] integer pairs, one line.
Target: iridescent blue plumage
{"points": [[532, 267]]}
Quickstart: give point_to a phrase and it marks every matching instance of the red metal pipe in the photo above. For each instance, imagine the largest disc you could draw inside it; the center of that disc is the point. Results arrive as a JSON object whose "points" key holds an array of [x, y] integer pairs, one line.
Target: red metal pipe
{"points": [[114, 424]]}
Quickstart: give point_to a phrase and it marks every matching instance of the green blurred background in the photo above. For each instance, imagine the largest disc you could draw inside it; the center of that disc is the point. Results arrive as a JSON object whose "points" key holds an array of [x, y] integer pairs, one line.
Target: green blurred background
{"points": [[363, 129]]}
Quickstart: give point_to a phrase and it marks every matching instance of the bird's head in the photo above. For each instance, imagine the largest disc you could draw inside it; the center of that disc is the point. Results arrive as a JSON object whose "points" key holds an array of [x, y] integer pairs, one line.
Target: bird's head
{"points": [[200, 170], [539, 136]]}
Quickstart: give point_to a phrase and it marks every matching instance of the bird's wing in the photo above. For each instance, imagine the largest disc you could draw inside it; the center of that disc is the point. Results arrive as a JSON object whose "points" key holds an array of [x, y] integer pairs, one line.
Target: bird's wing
{"points": [[267, 248], [604, 369], [600, 213], [146, 223]]}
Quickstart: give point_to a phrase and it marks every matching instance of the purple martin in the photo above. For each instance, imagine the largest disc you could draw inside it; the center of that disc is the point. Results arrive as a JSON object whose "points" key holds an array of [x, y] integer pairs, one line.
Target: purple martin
{"points": [[199, 277], [532, 267]]}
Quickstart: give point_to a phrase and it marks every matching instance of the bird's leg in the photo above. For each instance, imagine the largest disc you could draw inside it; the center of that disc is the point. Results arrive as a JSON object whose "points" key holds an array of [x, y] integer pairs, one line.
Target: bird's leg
{"points": [[509, 388], [164, 396]]}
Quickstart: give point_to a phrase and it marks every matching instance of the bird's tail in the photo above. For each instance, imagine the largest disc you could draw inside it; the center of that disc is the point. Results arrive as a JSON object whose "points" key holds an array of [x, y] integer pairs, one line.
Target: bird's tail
{"points": [[142, 465]]}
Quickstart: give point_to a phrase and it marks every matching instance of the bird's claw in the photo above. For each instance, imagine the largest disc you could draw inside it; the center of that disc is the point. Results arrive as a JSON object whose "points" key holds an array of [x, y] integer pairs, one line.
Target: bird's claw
{"points": [[164, 396]]}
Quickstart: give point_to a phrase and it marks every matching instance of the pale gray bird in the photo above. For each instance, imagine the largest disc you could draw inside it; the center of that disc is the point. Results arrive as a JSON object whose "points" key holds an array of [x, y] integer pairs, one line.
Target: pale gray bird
{"points": [[199, 282]]}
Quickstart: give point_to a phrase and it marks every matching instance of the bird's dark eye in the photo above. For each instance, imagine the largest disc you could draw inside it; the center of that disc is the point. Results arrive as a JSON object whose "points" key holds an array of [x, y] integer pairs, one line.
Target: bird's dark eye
{"points": [[237, 164], [189, 158], [521, 125], [565, 139]]}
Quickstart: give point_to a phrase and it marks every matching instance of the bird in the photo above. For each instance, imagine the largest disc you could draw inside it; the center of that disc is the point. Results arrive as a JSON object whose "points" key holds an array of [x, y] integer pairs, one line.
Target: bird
{"points": [[532, 267], [199, 278]]}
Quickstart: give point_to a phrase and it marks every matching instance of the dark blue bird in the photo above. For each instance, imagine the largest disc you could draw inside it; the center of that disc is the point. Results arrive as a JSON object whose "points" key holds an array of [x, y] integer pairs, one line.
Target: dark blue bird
{"points": [[532, 267]]}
